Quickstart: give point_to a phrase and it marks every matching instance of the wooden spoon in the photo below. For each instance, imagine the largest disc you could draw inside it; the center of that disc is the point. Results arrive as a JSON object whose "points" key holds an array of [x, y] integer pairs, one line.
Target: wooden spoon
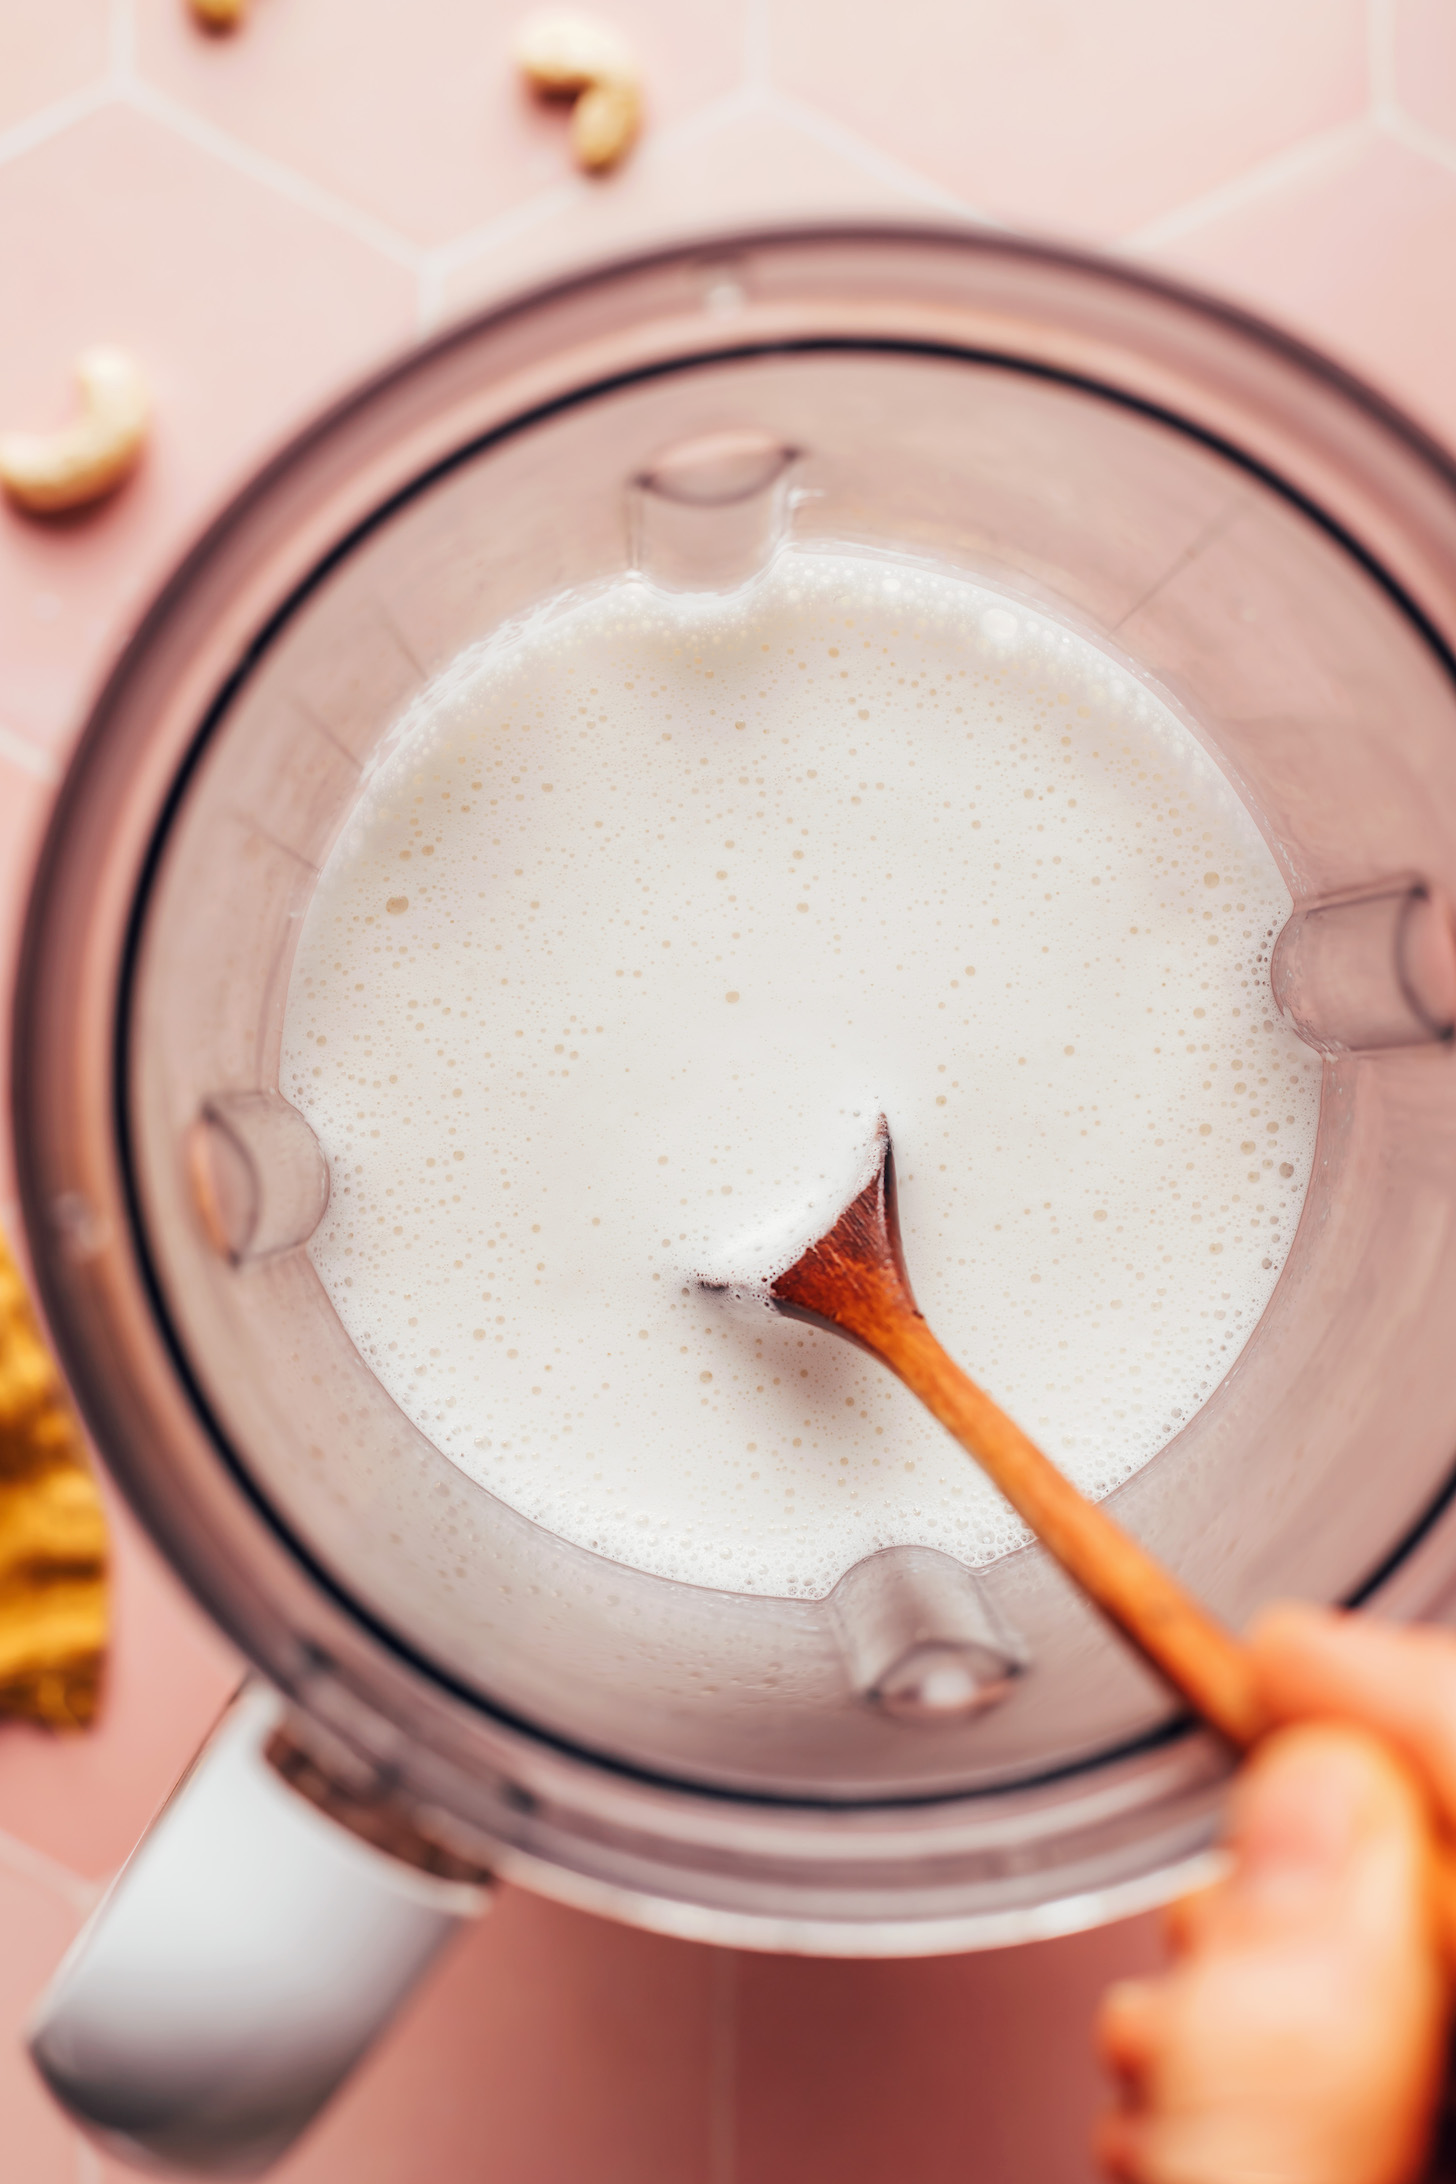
{"points": [[853, 1280]]}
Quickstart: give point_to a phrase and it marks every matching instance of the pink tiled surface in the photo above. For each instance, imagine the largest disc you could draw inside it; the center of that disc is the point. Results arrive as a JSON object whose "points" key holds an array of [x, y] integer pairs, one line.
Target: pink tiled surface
{"points": [[49, 54], [1091, 119], [264, 216], [246, 310]]}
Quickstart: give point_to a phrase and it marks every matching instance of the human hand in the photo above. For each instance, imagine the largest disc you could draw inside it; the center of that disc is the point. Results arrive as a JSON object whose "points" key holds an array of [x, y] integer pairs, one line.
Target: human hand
{"points": [[1300, 2036]]}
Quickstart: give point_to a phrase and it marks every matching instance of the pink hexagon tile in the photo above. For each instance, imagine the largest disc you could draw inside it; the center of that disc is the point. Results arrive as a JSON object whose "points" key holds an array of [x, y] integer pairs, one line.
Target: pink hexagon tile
{"points": [[414, 114], [1352, 255], [752, 164], [1054, 114], [48, 53], [37, 1926], [84, 1800], [245, 311], [1425, 63]]}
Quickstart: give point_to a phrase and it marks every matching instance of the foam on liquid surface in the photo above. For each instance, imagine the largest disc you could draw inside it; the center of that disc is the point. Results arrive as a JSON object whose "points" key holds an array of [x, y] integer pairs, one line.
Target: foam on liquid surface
{"points": [[655, 906]]}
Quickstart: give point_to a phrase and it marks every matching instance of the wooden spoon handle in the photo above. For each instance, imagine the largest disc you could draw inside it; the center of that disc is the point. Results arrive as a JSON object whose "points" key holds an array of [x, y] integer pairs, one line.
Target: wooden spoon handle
{"points": [[1190, 1648]]}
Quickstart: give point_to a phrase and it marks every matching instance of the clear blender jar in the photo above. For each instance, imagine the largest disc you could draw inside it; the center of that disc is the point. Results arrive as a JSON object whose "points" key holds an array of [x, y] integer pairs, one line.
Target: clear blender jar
{"points": [[929, 1758]]}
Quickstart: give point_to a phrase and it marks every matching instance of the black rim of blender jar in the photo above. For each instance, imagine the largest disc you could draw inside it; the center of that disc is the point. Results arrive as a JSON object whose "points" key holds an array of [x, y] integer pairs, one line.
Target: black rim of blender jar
{"points": [[29, 1095]]}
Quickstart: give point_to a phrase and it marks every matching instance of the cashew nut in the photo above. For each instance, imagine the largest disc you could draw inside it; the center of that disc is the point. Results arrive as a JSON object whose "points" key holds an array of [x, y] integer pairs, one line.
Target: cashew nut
{"points": [[604, 121], [47, 472], [573, 56], [219, 14]]}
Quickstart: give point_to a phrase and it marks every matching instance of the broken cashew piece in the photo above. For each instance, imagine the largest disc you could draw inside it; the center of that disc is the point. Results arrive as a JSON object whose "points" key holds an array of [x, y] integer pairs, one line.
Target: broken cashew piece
{"points": [[604, 121], [48, 472], [219, 14], [574, 56]]}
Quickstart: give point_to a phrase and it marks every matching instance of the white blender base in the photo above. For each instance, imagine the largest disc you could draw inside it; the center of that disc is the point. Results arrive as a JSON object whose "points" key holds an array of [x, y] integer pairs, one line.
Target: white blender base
{"points": [[248, 1955]]}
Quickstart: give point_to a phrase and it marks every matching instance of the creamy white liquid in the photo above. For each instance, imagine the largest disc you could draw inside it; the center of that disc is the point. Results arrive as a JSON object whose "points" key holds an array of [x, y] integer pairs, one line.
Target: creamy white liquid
{"points": [[655, 906]]}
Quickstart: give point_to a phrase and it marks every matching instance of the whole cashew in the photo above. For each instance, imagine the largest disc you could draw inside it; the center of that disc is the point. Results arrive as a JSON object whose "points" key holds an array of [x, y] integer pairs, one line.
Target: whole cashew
{"points": [[574, 56], [604, 121], [48, 472]]}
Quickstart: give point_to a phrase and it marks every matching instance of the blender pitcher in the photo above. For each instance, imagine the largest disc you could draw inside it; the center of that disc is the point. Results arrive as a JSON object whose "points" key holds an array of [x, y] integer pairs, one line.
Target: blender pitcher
{"points": [[929, 1758]]}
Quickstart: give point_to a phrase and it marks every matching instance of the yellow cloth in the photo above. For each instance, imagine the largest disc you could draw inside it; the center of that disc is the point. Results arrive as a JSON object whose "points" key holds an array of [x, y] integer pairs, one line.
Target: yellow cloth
{"points": [[53, 1593]]}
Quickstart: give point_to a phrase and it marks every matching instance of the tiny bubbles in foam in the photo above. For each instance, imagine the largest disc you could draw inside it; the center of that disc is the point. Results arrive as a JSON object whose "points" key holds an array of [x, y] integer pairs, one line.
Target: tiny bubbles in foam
{"points": [[650, 907]]}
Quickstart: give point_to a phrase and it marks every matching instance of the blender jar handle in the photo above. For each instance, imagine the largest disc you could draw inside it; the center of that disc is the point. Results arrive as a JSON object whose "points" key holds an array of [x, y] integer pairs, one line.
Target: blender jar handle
{"points": [[247, 1956]]}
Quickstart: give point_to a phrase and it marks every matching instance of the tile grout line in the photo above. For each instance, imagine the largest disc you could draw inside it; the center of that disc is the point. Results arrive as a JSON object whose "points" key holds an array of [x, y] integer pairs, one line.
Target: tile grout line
{"points": [[1380, 56], [143, 98], [53, 121], [723, 2068], [449, 258], [1414, 136], [23, 1862], [877, 165], [28, 757], [757, 46], [121, 38], [1291, 165]]}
